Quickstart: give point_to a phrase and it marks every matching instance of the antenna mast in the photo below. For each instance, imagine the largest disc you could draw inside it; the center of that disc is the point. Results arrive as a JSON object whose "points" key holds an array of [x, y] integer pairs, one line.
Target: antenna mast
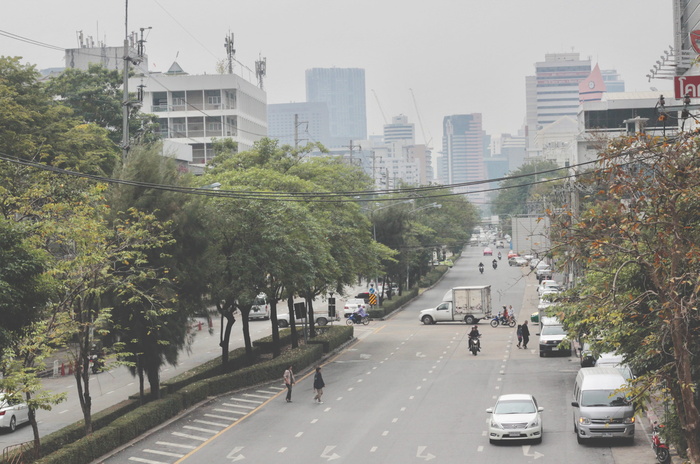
{"points": [[261, 70], [230, 52]]}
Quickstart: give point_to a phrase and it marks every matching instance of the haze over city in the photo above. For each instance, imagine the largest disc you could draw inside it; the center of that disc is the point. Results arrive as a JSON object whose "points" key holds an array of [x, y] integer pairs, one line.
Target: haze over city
{"points": [[458, 57]]}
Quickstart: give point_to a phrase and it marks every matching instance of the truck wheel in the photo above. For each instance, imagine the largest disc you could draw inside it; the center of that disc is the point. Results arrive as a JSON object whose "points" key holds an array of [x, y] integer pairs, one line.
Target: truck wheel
{"points": [[427, 320], [471, 320], [321, 321], [282, 324]]}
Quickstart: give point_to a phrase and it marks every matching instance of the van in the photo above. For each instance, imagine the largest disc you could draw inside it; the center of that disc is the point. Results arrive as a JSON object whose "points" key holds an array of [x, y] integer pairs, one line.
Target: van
{"points": [[600, 410], [260, 308]]}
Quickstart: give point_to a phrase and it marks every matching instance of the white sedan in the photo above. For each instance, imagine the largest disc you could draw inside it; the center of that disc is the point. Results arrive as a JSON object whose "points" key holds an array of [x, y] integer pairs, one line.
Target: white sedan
{"points": [[515, 417], [12, 412]]}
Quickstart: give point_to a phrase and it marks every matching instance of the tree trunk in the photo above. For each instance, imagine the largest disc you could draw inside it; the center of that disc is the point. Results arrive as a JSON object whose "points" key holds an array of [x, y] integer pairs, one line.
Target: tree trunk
{"points": [[154, 380], [35, 426], [226, 335], [312, 319], [292, 321], [276, 350], [688, 413], [245, 313]]}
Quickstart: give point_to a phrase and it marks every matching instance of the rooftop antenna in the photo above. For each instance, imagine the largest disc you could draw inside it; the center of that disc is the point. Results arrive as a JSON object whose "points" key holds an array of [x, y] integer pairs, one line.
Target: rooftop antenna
{"points": [[230, 52], [261, 70]]}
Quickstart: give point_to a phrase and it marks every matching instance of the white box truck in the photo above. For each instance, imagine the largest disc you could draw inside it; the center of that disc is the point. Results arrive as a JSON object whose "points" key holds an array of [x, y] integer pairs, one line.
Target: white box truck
{"points": [[461, 304]]}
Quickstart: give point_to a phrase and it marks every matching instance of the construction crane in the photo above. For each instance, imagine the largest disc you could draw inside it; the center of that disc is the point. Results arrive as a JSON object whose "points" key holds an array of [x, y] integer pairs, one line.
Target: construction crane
{"points": [[420, 122], [380, 106]]}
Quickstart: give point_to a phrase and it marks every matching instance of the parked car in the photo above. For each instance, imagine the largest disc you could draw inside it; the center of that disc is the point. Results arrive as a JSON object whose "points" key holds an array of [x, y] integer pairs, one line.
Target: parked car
{"points": [[352, 304], [515, 417], [12, 412], [321, 319], [517, 261], [260, 308], [488, 251], [500, 244], [553, 337], [511, 254], [547, 285]]}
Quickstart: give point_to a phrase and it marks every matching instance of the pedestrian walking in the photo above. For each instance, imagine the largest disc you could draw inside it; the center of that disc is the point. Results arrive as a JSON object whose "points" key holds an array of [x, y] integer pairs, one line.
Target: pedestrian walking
{"points": [[318, 385], [519, 332], [526, 334], [288, 382]]}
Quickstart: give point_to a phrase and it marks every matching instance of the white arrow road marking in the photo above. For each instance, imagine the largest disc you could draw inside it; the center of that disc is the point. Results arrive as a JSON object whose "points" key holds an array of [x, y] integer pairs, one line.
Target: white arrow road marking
{"points": [[526, 450], [427, 456], [234, 456], [330, 457]]}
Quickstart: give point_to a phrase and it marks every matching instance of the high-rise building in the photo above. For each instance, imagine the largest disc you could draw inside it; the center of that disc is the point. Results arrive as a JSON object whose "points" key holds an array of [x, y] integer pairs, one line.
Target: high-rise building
{"points": [[462, 157], [400, 130], [343, 90], [298, 123], [553, 91]]}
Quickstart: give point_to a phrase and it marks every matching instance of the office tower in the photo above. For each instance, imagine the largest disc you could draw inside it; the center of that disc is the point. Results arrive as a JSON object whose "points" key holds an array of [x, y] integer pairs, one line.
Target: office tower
{"points": [[343, 90], [462, 150], [553, 92], [298, 123]]}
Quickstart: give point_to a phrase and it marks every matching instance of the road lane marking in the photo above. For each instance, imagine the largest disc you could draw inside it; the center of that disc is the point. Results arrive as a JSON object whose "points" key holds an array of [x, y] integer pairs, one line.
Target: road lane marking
{"points": [[480, 448], [373, 449], [256, 396], [215, 416], [282, 450], [385, 433], [299, 434], [147, 461], [249, 401], [216, 424], [242, 413], [327, 409], [199, 429], [176, 445], [394, 420], [242, 406], [164, 453], [403, 408], [351, 389], [192, 437]]}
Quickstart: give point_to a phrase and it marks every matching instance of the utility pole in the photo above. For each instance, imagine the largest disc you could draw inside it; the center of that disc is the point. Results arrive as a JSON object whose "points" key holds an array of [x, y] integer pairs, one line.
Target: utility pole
{"points": [[297, 123], [125, 98]]}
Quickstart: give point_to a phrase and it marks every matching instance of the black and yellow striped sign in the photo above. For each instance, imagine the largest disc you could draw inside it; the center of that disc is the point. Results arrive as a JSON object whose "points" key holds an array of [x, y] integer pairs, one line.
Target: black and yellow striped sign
{"points": [[372, 299]]}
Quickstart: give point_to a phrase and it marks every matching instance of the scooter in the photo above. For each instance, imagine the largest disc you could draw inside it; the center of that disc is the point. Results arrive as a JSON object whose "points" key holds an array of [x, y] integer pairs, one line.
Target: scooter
{"points": [[481, 269], [660, 448], [500, 320], [474, 345], [355, 318]]}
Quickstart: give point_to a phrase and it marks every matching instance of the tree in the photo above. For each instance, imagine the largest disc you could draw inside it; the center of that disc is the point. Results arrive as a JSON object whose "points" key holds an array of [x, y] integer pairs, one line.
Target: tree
{"points": [[515, 193], [637, 238], [95, 96]]}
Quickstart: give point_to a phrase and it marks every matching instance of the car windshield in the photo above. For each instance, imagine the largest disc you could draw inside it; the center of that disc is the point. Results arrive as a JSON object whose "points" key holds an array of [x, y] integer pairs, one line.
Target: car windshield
{"points": [[515, 407], [259, 301], [602, 398], [553, 330]]}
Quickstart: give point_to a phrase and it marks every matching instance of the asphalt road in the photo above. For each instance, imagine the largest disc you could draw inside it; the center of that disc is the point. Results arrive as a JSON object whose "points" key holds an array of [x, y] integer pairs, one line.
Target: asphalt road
{"points": [[404, 392]]}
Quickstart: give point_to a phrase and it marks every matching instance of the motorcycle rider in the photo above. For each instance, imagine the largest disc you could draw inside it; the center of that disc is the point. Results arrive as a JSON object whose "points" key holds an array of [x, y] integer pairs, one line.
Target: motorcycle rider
{"points": [[506, 316], [474, 335], [358, 314], [481, 267], [494, 263], [499, 255]]}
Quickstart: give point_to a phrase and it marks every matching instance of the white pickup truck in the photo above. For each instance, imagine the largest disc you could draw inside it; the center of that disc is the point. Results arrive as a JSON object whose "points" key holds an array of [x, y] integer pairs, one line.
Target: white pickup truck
{"points": [[461, 304]]}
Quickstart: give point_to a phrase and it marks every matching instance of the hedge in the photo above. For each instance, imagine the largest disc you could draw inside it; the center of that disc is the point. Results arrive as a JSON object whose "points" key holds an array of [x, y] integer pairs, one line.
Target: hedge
{"points": [[122, 423]]}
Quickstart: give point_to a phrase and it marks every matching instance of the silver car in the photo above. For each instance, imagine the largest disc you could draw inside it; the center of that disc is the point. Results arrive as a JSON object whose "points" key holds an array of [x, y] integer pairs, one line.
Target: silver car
{"points": [[12, 412]]}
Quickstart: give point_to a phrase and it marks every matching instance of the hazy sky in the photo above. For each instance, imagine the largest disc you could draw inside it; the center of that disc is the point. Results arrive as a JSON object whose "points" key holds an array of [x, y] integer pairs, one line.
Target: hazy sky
{"points": [[458, 56]]}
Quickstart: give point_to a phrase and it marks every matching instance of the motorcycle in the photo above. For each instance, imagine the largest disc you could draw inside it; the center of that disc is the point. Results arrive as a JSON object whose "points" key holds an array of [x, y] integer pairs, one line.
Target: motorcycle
{"points": [[660, 448], [500, 320], [474, 345], [494, 264], [499, 255], [481, 269], [355, 318], [97, 364]]}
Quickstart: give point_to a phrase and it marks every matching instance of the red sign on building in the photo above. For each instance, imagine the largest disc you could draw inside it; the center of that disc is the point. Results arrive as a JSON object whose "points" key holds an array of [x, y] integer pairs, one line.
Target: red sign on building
{"points": [[686, 85]]}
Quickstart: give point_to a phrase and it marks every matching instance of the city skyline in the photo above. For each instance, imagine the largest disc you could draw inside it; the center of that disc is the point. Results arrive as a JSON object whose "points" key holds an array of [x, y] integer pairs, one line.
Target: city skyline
{"points": [[466, 57]]}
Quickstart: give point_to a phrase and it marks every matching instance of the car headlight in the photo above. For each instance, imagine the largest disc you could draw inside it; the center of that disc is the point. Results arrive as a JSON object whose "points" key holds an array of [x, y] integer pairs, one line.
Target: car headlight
{"points": [[534, 423], [495, 425], [629, 420], [584, 420]]}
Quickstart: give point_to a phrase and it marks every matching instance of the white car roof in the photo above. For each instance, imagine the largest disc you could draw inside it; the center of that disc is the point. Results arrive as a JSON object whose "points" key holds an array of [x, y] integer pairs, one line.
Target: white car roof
{"points": [[515, 396]]}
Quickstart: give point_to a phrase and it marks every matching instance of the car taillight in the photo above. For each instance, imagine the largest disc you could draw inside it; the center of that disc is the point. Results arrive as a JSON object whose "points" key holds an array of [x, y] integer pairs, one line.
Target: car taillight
{"points": [[2, 413]]}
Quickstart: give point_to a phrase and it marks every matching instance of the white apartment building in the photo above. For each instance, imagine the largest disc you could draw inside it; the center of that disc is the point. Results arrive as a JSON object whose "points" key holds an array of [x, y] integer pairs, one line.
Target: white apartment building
{"points": [[194, 110]]}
